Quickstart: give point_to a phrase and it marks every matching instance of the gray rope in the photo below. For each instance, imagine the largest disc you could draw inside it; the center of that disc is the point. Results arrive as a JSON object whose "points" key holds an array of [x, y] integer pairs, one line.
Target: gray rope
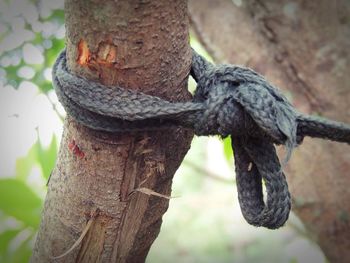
{"points": [[229, 100]]}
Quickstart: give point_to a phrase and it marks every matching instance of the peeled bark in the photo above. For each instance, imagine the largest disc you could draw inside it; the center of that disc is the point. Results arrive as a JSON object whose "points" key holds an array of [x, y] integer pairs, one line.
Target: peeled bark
{"points": [[141, 45], [302, 47]]}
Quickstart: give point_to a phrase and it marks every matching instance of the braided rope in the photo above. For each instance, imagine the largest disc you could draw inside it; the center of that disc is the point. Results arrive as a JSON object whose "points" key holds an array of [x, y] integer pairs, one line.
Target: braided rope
{"points": [[229, 100]]}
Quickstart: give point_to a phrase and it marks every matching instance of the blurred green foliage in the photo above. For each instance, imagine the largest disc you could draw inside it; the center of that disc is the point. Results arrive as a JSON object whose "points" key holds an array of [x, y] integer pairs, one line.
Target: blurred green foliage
{"points": [[20, 204], [27, 29], [37, 155]]}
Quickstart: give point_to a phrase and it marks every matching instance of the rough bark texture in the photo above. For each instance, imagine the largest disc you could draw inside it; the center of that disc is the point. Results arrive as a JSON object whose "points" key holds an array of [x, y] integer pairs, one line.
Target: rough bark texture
{"points": [[139, 45], [303, 47]]}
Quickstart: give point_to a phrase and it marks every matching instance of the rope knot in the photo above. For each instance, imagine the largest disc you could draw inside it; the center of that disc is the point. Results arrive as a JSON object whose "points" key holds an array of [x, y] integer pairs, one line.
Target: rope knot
{"points": [[222, 115], [218, 89]]}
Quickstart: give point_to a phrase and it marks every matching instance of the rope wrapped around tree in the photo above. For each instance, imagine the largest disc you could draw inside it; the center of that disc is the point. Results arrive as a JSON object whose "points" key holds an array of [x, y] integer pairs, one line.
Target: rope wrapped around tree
{"points": [[229, 100]]}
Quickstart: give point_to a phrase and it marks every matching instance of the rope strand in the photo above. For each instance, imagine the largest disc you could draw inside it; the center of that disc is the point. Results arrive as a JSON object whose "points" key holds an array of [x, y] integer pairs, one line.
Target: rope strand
{"points": [[229, 100]]}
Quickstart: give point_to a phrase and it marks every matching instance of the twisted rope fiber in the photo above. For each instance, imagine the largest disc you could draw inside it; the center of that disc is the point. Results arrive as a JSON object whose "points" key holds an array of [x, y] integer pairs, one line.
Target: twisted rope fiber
{"points": [[229, 100]]}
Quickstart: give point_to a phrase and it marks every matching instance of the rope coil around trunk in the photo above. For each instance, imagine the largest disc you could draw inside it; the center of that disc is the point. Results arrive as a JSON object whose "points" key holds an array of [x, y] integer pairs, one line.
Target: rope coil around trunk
{"points": [[229, 100]]}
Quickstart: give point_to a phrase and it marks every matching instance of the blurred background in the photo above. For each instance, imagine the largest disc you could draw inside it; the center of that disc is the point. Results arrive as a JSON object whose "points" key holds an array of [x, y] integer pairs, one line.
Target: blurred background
{"points": [[203, 222]]}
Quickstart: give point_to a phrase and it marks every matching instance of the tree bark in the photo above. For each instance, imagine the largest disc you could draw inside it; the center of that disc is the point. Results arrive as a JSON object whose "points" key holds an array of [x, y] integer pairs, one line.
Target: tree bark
{"points": [[140, 45], [301, 46]]}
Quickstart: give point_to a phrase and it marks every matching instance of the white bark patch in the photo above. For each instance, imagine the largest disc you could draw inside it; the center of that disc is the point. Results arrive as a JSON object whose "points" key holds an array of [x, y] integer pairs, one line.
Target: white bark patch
{"points": [[250, 166], [291, 10], [237, 2]]}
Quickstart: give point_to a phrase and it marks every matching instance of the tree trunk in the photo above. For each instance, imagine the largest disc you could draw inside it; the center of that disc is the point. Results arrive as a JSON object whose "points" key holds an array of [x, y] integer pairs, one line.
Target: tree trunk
{"points": [[141, 45], [301, 46]]}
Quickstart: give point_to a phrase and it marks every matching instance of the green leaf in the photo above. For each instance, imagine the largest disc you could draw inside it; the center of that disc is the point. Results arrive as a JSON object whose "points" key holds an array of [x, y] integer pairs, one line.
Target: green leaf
{"points": [[11, 75], [58, 15], [47, 157], [228, 149], [19, 201], [38, 39], [5, 238], [25, 164], [45, 86], [37, 154], [52, 53], [23, 253]]}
